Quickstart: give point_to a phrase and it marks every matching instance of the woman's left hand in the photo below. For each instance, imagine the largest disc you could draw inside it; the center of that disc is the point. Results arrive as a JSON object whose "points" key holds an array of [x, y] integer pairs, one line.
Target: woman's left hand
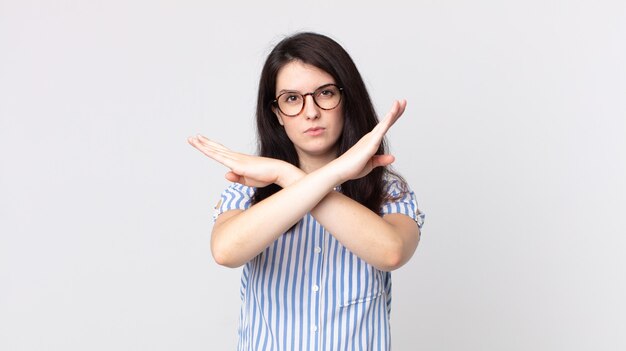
{"points": [[245, 169], [361, 158]]}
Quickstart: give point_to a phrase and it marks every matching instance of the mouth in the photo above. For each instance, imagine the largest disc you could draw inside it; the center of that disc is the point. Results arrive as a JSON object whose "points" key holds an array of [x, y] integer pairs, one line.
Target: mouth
{"points": [[314, 131]]}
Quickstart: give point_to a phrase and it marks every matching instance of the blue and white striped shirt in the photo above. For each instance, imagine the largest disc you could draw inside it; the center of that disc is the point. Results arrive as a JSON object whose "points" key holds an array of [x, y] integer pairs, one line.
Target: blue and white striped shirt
{"points": [[306, 291]]}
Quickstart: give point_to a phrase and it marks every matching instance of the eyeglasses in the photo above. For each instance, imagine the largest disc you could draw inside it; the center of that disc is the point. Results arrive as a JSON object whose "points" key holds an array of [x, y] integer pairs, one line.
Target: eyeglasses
{"points": [[291, 103]]}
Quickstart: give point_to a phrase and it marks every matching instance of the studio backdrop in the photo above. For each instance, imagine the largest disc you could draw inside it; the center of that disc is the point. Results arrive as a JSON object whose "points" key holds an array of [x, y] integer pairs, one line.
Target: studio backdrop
{"points": [[512, 140]]}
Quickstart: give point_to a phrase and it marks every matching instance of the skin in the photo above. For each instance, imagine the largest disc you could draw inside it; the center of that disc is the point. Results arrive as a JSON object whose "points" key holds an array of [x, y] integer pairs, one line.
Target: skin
{"points": [[238, 236]]}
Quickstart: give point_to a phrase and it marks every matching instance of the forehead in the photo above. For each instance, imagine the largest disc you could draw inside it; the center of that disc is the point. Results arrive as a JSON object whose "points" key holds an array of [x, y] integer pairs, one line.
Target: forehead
{"points": [[302, 77]]}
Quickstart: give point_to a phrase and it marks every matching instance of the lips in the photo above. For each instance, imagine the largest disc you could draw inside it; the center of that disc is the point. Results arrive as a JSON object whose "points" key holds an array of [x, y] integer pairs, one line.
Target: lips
{"points": [[314, 131]]}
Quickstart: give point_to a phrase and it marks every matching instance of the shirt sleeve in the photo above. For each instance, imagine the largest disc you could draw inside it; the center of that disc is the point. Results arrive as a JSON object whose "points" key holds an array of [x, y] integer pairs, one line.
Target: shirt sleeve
{"points": [[401, 199], [235, 197]]}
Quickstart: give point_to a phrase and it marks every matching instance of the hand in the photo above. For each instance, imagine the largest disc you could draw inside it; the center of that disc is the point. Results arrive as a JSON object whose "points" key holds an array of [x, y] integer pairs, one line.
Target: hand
{"points": [[361, 158], [245, 169]]}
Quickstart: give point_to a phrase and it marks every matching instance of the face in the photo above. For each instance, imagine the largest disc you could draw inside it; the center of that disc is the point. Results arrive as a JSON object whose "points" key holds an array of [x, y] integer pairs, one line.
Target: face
{"points": [[314, 131]]}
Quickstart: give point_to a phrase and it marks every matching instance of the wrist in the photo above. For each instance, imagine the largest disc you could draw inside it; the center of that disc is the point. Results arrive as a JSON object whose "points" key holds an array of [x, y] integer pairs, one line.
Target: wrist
{"points": [[288, 174]]}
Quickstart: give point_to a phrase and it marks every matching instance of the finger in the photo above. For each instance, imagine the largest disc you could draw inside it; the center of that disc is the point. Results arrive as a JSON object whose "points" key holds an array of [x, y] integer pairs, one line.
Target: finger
{"points": [[218, 149], [390, 118], [393, 113], [193, 141], [402, 104], [396, 111], [213, 149], [210, 143], [198, 143]]}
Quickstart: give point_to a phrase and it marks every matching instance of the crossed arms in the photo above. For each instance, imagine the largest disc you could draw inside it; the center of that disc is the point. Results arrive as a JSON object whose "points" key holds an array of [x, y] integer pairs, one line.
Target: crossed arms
{"points": [[384, 242]]}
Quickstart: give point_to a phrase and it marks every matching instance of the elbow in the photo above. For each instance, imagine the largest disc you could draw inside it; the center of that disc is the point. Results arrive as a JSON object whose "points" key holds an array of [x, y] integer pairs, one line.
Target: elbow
{"points": [[392, 261], [398, 254], [226, 253], [224, 257]]}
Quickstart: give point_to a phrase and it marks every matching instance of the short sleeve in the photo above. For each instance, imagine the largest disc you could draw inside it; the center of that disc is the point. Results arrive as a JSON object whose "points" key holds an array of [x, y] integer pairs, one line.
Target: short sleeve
{"points": [[235, 197], [401, 199]]}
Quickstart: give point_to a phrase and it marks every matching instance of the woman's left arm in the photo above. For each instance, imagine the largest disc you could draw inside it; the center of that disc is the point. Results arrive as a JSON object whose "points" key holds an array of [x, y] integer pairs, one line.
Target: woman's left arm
{"points": [[386, 242]]}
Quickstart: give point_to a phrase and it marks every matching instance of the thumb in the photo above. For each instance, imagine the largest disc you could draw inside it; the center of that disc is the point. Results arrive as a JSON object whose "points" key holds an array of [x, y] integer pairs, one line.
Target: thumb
{"points": [[233, 177], [382, 160]]}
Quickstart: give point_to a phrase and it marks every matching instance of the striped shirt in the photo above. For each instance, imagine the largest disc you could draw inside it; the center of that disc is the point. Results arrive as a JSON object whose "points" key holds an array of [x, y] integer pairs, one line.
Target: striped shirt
{"points": [[306, 291]]}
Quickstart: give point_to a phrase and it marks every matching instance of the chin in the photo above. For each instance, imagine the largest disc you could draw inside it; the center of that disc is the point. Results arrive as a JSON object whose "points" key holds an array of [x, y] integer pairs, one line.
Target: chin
{"points": [[318, 152]]}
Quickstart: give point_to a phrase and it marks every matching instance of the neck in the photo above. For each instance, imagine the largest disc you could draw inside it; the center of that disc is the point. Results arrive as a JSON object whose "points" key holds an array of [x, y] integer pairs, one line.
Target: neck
{"points": [[310, 163]]}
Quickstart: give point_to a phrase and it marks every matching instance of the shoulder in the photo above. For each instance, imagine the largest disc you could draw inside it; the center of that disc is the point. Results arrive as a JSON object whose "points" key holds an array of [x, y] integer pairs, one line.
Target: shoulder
{"points": [[400, 198], [239, 189], [394, 185], [235, 197]]}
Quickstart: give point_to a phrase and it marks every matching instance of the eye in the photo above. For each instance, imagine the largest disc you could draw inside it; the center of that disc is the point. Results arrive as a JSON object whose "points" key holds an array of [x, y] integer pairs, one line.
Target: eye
{"points": [[327, 93], [290, 98]]}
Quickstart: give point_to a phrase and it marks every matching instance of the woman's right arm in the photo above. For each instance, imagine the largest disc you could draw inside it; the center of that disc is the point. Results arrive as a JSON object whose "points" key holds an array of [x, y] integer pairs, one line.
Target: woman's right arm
{"points": [[238, 235]]}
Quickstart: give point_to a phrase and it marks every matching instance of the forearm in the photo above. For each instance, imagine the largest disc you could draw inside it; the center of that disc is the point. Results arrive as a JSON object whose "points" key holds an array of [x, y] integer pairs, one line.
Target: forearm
{"points": [[363, 232], [239, 238]]}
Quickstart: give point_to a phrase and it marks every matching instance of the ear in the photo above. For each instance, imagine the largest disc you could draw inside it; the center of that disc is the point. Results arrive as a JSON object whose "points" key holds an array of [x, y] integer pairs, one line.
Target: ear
{"points": [[280, 119]]}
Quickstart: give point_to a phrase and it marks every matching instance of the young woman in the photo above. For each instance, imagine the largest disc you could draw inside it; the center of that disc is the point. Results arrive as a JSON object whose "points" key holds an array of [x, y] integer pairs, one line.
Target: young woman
{"points": [[317, 219]]}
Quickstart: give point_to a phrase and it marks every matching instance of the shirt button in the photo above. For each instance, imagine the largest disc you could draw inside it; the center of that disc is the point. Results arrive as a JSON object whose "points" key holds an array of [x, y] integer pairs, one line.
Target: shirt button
{"points": [[314, 328], [318, 250], [316, 288]]}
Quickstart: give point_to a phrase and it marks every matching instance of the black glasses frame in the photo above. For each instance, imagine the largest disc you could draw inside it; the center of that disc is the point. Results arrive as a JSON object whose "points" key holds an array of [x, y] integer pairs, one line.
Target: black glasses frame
{"points": [[275, 102]]}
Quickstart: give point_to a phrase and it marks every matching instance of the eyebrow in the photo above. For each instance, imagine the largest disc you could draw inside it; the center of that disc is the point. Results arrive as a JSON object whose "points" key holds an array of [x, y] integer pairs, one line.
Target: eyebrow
{"points": [[282, 91]]}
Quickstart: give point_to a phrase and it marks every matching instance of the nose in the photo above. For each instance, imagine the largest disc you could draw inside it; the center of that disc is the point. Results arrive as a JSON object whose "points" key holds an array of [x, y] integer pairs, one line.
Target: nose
{"points": [[310, 108]]}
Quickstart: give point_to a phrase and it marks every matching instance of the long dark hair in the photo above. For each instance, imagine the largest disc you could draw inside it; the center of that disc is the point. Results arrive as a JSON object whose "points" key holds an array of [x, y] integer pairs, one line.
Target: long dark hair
{"points": [[359, 114]]}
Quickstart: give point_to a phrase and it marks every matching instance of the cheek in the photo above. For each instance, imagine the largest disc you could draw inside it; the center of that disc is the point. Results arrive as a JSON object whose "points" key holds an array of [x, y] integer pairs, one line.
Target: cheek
{"points": [[290, 129], [339, 122], [339, 127]]}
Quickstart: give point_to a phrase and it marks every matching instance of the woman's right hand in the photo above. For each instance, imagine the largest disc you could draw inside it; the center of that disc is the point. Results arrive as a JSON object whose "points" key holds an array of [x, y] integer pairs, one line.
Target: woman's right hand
{"points": [[249, 170]]}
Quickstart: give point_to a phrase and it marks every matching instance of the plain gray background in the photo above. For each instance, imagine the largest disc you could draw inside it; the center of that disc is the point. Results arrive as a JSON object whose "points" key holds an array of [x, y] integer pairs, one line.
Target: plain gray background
{"points": [[513, 141]]}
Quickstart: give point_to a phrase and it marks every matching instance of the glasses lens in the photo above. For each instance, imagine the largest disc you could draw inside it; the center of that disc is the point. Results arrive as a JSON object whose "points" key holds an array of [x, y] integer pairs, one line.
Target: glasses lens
{"points": [[327, 97], [290, 103]]}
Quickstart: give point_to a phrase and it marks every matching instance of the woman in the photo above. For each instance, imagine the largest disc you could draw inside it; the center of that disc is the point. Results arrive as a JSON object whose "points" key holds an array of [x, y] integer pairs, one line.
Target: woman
{"points": [[317, 219]]}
